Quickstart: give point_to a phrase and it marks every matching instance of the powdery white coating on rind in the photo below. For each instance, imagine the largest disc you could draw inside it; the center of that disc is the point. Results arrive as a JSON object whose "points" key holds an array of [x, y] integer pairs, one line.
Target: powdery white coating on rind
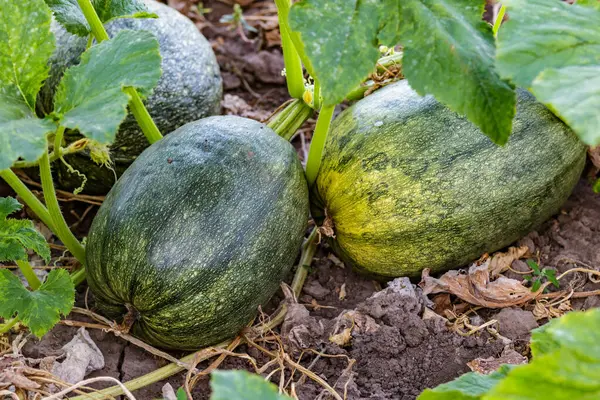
{"points": [[410, 184], [199, 231], [190, 88]]}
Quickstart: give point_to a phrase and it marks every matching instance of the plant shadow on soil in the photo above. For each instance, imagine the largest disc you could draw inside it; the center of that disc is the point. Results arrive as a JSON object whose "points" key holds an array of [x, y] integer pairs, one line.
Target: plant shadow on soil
{"points": [[397, 352]]}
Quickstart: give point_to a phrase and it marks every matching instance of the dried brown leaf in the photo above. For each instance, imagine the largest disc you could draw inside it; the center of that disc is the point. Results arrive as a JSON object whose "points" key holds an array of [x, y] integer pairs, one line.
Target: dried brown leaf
{"points": [[477, 288], [594, 153], [19, 380], [500, 262]]}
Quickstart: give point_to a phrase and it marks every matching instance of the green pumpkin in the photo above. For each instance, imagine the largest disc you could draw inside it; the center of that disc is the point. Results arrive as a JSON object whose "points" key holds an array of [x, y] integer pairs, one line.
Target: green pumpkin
{"points": [[409, 184], [190, 88], [198, 232]]}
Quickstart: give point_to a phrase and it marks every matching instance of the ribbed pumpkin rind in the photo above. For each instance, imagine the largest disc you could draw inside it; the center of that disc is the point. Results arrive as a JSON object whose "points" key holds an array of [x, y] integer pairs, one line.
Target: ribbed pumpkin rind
{"points": [[410, 184], [199, 231], [190, 88]]}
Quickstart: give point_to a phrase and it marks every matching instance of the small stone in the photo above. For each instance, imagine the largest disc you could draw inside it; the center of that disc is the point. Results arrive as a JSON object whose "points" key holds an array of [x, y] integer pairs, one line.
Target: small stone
{"points": [[516, 323]]}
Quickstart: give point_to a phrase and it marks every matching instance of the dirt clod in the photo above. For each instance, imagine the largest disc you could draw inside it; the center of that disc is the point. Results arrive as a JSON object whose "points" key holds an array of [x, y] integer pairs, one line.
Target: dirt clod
{"points": [[516, 323]]}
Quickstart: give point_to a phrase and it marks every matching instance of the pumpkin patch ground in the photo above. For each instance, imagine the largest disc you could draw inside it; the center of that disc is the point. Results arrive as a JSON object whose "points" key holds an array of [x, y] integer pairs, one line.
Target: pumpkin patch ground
{"points": [[345, 336]]}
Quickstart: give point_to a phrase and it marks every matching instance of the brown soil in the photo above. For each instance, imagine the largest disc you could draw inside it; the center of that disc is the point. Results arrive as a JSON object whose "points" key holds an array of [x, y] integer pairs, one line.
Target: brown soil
{"points": [[399, 351]]}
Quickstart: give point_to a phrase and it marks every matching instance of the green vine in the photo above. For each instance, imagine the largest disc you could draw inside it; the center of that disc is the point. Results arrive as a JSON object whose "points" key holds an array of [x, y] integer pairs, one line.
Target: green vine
{"points": [[318, 144], [136, 105]]}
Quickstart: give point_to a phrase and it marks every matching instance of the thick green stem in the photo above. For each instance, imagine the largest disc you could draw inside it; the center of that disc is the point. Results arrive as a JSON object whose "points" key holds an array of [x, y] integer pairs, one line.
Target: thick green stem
{"points": [[308, 252], [61, 228], [498, 20], [291, 59], [318, 144], [317, 94], [92, 18], [28, 197], [29, 274], [58, 138], [290, 119], [78, 276], [309, 248], [142, 116], [6, 326], [136, 105]]}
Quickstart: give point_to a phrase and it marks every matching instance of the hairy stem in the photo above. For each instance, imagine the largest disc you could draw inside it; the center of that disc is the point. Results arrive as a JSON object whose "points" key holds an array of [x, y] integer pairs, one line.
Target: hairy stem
{"points": [[61, 228], [318, 144], [139, 111], [308, 251], [28, 197], [6, 326], [291, 59], [290, 119], [29, 274]]}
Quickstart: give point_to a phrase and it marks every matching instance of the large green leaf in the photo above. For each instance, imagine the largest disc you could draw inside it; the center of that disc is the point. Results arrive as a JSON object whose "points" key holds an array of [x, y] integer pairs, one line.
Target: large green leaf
{"points": [[543, 34], [40, 310], [22, 134], [449, 52], [573, 93], [340, 39], [470, 386], [242, 385], [565, 366], [26, 44], [70, 16], [91, 96], [18, 235], [557, 58]]}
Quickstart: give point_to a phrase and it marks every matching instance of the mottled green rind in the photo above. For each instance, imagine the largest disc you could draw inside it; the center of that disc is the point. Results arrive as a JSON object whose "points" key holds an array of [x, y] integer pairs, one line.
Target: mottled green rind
{"points": [[190, 88], [410, 185], [199, 231]]}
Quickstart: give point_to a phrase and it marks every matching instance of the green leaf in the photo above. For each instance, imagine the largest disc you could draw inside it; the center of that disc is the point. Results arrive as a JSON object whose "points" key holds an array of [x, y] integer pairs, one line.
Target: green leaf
{"points": [[589, 3], [534, 266], [26, 44], [18, 235], [340, 39], [8, 205], [578, 332], [596, 186], [242, 385], [111, 9], [573, 93], [557, 57], [449, 52], [543, 34], [90, 96], [536, 285], [550, 274], [470, 386], [565, 367], [40, 310], [181, 395], [22, 134], [69, 14]]}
